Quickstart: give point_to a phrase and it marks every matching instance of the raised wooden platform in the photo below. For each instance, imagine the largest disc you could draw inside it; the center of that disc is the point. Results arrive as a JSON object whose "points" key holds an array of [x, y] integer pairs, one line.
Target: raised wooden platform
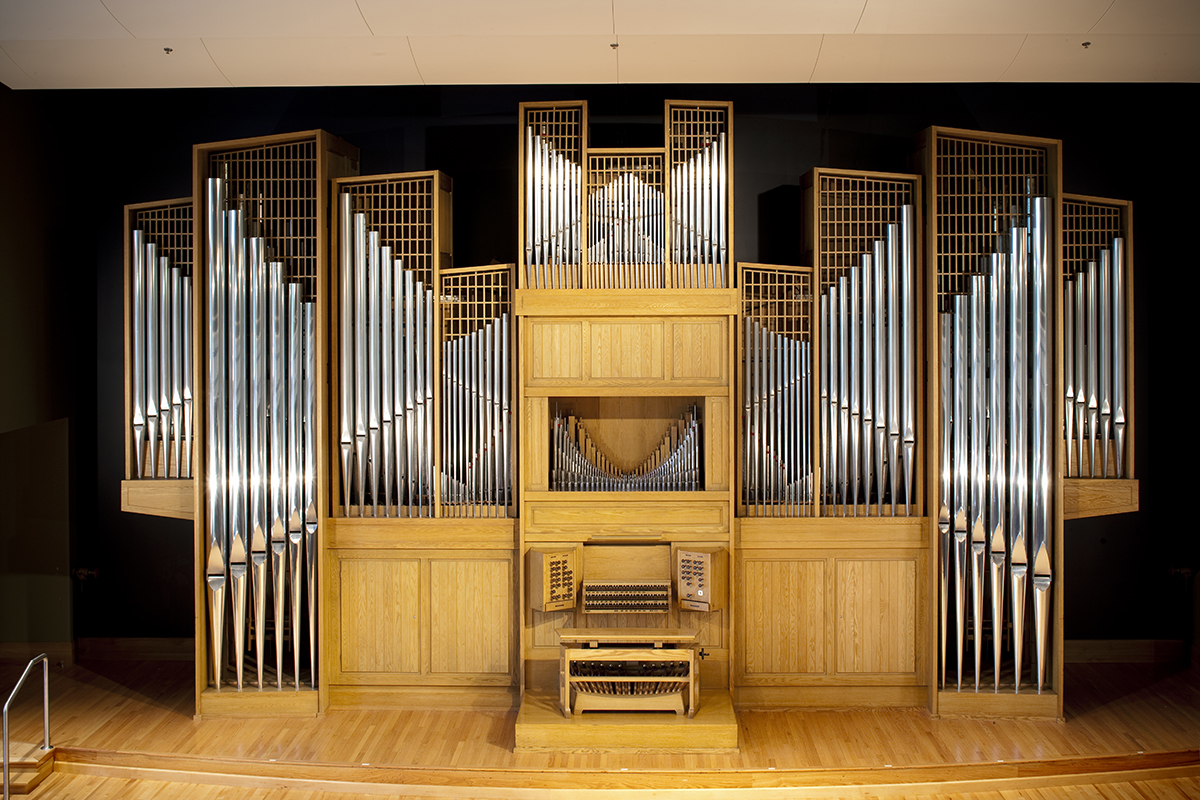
{"points": [[28, 766], [128, 730], [541, 726]]}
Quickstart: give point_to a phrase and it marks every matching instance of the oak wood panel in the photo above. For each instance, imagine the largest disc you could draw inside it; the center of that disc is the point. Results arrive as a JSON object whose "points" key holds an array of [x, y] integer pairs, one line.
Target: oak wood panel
{"points": [[271, 701], [392, 533], [783, 621], [625, 303], [545, 626], [160, 498], [699, 350], [471, 616], [535, 471], [833, 533], [380, 615], [626, 349], [685, 516], [718, 444], [876, 615], [555, 351], [1097, 497]]}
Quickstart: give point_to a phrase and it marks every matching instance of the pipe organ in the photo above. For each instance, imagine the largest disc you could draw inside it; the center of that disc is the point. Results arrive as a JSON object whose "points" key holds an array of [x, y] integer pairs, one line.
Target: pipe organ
{"points": [[408, 476]]}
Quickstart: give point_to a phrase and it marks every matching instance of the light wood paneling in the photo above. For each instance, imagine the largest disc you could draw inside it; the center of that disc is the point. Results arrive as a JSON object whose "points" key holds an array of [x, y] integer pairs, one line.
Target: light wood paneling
{"points": [[625, 303], [783, 616], [718, 444], [270, 702], [471, 618], [626, 349], [876, 615], [555, 351], [673, 513], [427, 533], [380, 615], [1097, 497], [536, 462], [699, 351], [160, 498], [544, 627]]}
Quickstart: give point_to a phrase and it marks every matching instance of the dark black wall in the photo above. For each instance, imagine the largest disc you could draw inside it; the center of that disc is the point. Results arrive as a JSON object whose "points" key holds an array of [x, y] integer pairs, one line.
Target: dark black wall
{"points": [[80, 156]]}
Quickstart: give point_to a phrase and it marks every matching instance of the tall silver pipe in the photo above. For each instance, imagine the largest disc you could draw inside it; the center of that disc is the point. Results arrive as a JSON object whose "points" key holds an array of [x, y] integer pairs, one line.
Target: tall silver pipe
{"points": [[1119, 348], [997, 484], [258, 340], [138, 276], [374, 389], [1072, 469], [908, 351], [165, 347], [386, 361], [309, 311], [237, 410], [360, 359], [346, 360], [176, 281], [882, 369], [295, 466], [825, 432], [276, 312], [851, 321], [946, 408], [153, 331], [978, 460], [215, 559], [1104, 391], [870, 371], [188, 411], [411, 289], [844, 390], [961, 478], [402, 283], [1018, 447], [1093, 363], [1041, 414], [894, 326], [1080, 405]]}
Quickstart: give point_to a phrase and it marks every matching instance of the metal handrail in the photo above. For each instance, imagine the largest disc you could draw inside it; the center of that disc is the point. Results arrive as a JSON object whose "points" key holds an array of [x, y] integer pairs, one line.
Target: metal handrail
{"points": [[45, 709]]}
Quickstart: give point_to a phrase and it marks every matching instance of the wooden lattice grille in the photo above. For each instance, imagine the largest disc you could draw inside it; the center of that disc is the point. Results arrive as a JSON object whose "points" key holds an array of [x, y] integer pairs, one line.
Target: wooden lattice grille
{"points": [[401, 211], [276, 185], [170, 227], [980, 186], [853, 212], [1088, 228]]}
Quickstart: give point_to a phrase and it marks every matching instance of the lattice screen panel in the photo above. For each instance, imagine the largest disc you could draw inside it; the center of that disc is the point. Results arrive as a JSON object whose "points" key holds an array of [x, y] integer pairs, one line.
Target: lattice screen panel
{"points": [[700, 167], [477, 436], [853, 212], [401, 211], [981, 186], [170, 227], [626, 221], [553, 139], [776, 391], [1088, 227], [276, 185]]}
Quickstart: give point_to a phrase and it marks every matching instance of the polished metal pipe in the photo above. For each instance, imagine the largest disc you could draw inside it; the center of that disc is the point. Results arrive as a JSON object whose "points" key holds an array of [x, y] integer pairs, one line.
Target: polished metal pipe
{"points": [[870, 370], [165, 347], [1042, 462], [276, 312], [978, 460], [176, 358], [997, 432], [1069, 374], [823, 379], [851, 321], [236, 416], [961, 478], [844, 357], [1119, 349], [882, 370], [215, 558], [1080, 404], [153, 331], [138, 279], [908, 351], [894, 325], [361, 357], [188, 411], [1105, 356], [1018, 448], [386, 380], [1093, 365], [946, 409], [374, 359], [346, 359], [258, 338], [295, 466], [309, 489]]}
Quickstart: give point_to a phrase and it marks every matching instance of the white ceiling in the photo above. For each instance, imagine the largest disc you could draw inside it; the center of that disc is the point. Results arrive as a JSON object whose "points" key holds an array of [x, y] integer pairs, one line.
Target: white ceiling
{"points": [[61, 44]]}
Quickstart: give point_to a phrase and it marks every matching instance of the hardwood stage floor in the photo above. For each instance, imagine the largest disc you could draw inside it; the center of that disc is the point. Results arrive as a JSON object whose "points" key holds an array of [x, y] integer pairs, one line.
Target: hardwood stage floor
{"points": [[126, 729]]}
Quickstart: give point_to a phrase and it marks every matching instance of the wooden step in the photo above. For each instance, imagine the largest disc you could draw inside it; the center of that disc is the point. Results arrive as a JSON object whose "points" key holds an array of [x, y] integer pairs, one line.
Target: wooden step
{"points": [[28, 765]]}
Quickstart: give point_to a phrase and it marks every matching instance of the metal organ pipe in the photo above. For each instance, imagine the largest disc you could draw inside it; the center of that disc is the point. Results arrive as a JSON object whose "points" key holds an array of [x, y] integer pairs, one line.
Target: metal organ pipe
{"points": [[260, 446]]}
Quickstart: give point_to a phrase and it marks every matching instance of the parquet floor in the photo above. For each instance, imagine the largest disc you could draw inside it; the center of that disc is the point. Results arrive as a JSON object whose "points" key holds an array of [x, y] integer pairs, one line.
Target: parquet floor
{"points": [[127, 730]]}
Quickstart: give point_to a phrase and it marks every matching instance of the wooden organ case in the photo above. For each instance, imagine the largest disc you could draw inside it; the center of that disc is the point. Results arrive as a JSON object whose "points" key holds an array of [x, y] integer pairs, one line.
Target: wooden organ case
{"points": [[722, 483]]}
